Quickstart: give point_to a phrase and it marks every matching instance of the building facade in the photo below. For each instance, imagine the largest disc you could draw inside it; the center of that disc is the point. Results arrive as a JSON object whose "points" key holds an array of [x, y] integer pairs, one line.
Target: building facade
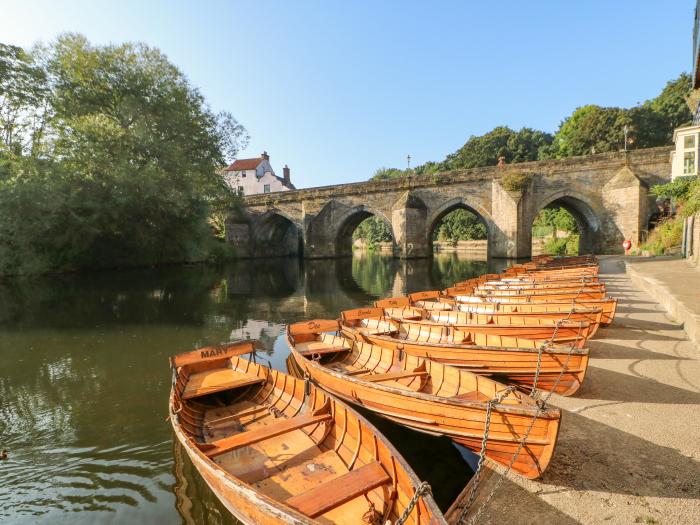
{"points": [[253, 176]]}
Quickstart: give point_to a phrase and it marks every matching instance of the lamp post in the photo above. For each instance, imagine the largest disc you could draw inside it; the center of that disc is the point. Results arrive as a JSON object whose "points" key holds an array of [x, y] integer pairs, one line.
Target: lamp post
{"points": [[408, 161]]}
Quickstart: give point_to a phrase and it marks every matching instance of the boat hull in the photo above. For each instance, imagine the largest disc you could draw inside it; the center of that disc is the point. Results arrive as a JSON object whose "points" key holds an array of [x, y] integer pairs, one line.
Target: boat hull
{"points": [[511, 365]]}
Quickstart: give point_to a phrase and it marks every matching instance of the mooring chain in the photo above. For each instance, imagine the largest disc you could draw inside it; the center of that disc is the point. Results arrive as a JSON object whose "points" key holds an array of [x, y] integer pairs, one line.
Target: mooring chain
{"points": [[496, 399], [541, 404], [422, 490], [540, 351]]}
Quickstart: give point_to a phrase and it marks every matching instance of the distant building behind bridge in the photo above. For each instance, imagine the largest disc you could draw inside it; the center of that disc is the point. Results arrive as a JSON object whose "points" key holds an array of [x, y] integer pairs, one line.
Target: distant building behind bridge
{"points": [[253, 176]]}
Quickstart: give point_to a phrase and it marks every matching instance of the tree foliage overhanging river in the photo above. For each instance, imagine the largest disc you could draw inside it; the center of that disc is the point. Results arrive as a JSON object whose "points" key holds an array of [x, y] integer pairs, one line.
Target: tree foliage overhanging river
{"points": [[85, 377]]}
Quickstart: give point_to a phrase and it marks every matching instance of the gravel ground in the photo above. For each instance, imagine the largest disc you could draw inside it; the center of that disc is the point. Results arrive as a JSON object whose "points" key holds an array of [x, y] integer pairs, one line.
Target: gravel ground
{"points": [[629, 444]]}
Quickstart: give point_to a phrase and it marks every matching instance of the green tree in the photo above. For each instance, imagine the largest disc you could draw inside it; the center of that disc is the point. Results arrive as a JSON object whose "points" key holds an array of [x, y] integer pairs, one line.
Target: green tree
{"points": [[389, 173], [373, 230], [485, 150], [460, 225], [129, 167], [599, 129]]}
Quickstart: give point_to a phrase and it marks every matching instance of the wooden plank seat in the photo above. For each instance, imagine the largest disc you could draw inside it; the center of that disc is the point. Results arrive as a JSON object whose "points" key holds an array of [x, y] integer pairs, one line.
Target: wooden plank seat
{"points": [[348, 371], [216, 380], [324, 350], [331, 494], [392, 376], [472, 396], [244, 439]]}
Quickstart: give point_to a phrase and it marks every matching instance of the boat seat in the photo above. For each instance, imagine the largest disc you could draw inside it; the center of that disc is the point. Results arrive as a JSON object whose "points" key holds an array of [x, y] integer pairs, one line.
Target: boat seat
{"points": [[472, 396], [217, 380], [331, 494], [347, 371], [310, 348], [392, 376], [323, 350], [244, 439]]}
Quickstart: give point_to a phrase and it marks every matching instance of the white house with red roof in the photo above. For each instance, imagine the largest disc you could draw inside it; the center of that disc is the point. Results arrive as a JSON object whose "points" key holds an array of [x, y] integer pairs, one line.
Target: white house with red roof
{"points": [[251, 176]]}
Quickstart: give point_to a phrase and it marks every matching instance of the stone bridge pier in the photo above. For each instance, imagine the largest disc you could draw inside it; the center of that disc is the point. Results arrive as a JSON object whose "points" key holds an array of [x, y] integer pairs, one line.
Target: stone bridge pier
{"points": [[607, 194]]}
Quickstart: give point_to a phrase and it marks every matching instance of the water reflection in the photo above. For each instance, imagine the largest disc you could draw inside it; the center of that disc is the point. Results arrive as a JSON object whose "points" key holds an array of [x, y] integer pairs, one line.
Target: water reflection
{"points": [[84, 380]]}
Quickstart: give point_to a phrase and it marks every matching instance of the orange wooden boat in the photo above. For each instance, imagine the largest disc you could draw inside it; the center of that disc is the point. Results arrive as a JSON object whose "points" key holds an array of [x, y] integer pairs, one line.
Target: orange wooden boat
{"points": [[506, 359], [441, 302], [427, 396], [541, 285], [523, 304], [568, 293], [277, 450], [563, 332], [538, 272], [473, 314]]}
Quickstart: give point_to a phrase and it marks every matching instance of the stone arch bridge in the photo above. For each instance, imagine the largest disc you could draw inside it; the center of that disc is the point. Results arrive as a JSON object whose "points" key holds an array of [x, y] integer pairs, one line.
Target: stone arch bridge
{"points": [[608, 195]]}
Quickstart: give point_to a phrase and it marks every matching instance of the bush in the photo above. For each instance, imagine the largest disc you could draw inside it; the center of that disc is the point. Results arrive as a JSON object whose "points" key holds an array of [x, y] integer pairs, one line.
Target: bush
{"points": [[562, 245], [516, 181], [666, 237]]}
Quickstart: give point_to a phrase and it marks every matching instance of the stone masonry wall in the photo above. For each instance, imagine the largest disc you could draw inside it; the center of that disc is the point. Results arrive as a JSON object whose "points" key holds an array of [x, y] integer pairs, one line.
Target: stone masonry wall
{"points": [[607, 194]]}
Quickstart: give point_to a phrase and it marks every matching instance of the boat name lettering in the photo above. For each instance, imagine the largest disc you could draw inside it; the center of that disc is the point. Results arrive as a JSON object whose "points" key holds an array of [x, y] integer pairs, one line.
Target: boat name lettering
{"points": [[212, 353]]}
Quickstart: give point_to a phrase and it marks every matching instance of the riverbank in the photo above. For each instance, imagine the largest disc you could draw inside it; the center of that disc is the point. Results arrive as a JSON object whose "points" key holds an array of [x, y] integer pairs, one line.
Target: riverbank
{"points": [[629, 444]]}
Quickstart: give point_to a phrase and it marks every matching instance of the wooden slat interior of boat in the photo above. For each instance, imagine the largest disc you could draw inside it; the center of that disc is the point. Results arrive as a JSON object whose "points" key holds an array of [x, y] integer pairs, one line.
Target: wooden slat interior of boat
{"points": [[393, 376], [333, 493], [216, 380], [300, 448], [250, 437]]}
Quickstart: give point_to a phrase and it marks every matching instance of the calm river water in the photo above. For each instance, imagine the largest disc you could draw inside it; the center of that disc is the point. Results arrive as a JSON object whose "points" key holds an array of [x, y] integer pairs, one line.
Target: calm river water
{"points": [[84, 378]]}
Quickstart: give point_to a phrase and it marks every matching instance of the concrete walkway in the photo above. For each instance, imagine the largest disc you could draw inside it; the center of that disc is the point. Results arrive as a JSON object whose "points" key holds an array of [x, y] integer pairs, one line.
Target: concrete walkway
{"points": [[629, 445], [675, 284]]}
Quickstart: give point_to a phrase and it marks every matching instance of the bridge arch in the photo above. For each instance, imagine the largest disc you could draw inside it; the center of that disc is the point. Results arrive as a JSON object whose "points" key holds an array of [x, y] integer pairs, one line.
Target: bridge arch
{"points": [[276, 234], [348, 222], [458, 203], [582, 210]]}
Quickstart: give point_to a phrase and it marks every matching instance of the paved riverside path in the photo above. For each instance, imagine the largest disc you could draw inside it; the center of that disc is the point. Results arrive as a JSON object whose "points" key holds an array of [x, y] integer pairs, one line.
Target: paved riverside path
{"points": [[629, 443]]}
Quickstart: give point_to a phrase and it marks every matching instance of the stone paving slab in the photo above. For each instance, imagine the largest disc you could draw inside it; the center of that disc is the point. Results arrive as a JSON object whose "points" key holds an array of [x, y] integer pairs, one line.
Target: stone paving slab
{"points": [[629, 444]]}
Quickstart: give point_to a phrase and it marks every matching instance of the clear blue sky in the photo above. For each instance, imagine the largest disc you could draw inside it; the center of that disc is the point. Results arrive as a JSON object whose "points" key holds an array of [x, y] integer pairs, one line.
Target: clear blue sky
{"points": [[338, 89]]}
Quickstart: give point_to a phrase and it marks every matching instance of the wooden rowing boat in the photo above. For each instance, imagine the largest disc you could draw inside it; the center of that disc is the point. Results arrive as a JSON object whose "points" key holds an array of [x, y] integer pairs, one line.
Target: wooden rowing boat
{"points": [[506, 359], [545, 286], [473, 314], [427, 396], [539, 330], [606, 306], [277, 450]]}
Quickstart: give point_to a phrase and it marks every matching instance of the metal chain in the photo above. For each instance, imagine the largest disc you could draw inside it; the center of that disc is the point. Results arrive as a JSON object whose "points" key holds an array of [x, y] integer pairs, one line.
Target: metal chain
{"points": [[498, 398], [541, 404], [422, 490]]}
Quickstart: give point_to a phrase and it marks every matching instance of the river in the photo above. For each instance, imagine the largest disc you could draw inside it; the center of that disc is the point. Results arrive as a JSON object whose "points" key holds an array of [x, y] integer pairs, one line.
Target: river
{"points": [[84, 377]]}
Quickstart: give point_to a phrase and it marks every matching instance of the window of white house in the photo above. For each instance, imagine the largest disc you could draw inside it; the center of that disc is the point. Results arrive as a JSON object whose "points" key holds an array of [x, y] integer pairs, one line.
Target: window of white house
{"points": [[243, 174], [689, 163], [266, 188], [240, 190], [689, 154]]}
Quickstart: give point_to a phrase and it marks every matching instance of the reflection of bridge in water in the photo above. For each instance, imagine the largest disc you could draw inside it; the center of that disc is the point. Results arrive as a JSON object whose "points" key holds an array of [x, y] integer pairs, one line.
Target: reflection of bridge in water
{"points": [[319, 288]]}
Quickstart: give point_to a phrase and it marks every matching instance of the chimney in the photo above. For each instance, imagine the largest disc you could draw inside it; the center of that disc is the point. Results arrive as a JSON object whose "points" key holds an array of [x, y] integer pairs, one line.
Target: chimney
{"points": [[286, 177], [265, 156]]}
